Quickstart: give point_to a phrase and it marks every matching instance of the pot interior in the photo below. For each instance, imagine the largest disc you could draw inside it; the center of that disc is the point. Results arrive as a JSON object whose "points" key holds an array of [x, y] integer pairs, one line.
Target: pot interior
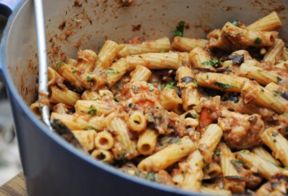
{"points": [[79, 24]]}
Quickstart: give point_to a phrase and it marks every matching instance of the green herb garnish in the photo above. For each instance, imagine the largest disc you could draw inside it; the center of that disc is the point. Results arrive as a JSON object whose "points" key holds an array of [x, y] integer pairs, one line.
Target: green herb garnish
{"points": [[74, 70], [59, 64], [179, 31], [112, 71], [236, 23], [89, 78], [135, 88], [151, 87], [237, 163], [279, 79], [150, 176], [170, 85], [222, 86], [217, 152], [213, 63], [92, 111], [257, 41]]}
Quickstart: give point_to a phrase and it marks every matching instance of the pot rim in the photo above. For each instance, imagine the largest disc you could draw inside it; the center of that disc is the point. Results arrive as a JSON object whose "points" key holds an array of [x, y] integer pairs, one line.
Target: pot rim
{"points": [[56, 138]]}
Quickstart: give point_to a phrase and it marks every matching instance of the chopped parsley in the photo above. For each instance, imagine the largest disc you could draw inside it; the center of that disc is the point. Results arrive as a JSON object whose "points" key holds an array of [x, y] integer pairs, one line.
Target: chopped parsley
{"points": [[170, 85], [151, 87], [135, 88], [279, 79], [222, 86], [130, 105], [112, 71], [217, 152], [92, 111], [122, 159], [150, 176], [59, 65], [257, 41], [236, 23], [237, 163], [74, 70], [191, 115], [213, 63], [274, 134], [179, 31], [89, 78]]}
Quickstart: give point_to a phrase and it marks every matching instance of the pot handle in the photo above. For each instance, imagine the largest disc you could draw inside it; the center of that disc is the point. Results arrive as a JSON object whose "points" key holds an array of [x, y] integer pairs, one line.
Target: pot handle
{"points": [[7, 6]]}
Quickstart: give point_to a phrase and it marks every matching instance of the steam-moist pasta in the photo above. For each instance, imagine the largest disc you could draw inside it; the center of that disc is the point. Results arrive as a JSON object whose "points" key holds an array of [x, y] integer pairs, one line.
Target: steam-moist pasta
{"points": [[207, 115]]}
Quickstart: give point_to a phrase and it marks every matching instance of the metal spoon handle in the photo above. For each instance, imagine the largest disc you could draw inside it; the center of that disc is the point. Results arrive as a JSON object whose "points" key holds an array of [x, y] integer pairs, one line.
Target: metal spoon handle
{"points": [[42, 61]]}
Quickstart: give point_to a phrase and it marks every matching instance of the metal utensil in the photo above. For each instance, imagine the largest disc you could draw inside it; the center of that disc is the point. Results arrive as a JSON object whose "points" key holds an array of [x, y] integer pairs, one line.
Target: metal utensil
{"points": [[43, 92]]}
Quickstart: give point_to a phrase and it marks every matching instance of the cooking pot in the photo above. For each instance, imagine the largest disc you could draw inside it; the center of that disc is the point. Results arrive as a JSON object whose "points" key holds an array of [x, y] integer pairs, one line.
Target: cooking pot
{"points": [[51, 165]]}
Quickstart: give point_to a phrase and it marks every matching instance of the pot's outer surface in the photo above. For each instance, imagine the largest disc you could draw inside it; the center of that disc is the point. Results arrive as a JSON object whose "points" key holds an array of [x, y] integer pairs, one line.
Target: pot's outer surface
{"points": [[52, 166]]}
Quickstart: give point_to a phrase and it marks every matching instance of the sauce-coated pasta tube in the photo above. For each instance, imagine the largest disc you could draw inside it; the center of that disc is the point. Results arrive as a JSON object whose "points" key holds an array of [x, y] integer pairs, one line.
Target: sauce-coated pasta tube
{"points": [[275, 53], [93, 108], [63, 96], [186, 44], [69, 73], [277, 143], [71, 121], [120, 129], [261, 152], [232, 179], [107, 54], [158, 45], [169, 60], [53, 77], [169, 99], [147, 142], [229, 83], [193, 174], [209, 141], [188, 86], [250, 70], [267, 23], [218, 40], [102, 155], [167, 156], [116, 71], [104, 140], [251, 160], [245, 38], [98, 122], [86, 138], [201, 59], [185, 77], [253, 92], [137, 121], [87, 59], [140, 73]]}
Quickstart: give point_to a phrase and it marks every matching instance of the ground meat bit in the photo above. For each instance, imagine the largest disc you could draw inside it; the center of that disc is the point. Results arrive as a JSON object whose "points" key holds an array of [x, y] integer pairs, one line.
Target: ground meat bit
{"points": [[241, 131], [164, 178]]}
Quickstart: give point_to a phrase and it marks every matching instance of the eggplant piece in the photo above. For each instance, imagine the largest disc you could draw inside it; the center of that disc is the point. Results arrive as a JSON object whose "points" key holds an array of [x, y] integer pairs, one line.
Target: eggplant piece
{"points": [[62, 130]]}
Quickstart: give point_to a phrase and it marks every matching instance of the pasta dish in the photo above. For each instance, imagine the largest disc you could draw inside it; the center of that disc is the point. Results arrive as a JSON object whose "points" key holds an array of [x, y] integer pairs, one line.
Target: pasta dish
{"points": [[204, 115]]}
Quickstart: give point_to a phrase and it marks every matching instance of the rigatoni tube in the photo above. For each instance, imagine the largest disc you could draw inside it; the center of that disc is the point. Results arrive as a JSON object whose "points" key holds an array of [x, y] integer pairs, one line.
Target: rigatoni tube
{"points": [[277, 143], [158, 45], [167, 156], [193, 174], [186, 44], [267, 23], [229, 83], [147, 142], [209, 141]]}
